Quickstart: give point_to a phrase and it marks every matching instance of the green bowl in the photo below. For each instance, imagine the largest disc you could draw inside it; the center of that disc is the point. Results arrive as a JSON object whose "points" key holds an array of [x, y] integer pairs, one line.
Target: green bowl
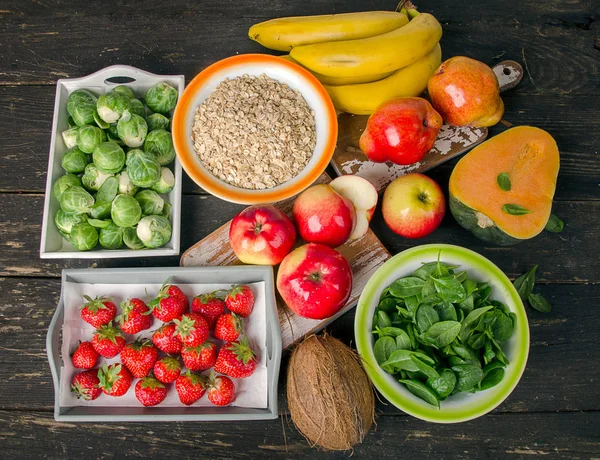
{"points": [[463, 406]]}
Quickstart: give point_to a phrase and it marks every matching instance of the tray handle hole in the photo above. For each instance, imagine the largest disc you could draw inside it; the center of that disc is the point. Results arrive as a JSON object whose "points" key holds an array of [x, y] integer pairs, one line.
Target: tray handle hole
{"points": [[118, 80]]}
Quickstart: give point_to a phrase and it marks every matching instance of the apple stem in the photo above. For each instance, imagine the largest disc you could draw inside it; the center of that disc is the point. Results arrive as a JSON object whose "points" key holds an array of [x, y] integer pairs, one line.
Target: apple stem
{"points": [[257, 228], [315, 276], [423, 198]]}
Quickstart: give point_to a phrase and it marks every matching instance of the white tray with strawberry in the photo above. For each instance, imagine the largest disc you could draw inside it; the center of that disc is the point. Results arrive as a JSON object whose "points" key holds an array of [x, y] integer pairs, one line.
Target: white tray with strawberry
{"points": [[204, 345]]}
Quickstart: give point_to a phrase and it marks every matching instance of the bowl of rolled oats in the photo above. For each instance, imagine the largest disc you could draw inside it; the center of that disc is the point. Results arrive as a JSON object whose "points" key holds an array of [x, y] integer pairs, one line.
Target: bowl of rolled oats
{"points": [[254, 129]]}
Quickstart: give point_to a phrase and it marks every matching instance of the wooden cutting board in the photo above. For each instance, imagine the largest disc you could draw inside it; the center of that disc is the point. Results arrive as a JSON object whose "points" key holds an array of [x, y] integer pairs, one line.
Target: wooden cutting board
{"points": [[365, 255], [451, 142]]}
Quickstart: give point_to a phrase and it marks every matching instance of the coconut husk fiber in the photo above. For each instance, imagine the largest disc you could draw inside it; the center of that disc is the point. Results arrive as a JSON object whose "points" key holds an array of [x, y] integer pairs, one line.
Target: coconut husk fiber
{"points": [[329, 395]]}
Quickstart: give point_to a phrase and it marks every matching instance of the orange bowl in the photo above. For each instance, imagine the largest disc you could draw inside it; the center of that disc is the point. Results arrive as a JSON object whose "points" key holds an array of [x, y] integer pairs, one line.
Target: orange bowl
{"points": [[281, 70]]}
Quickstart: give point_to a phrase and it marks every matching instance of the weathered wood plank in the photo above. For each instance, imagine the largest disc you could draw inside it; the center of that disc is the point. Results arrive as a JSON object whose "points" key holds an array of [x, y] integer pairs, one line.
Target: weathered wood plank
{"points": [[560, 375], [562, 257]]}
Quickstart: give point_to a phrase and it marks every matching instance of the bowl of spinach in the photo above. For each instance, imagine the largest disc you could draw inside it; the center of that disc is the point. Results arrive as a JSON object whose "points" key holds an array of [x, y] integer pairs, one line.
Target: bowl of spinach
{"points": [[442, 332]]}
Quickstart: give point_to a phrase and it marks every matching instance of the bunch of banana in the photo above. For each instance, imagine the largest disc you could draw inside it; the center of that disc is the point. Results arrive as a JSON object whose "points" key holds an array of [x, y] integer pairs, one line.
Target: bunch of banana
{"points": [[363, 59]]}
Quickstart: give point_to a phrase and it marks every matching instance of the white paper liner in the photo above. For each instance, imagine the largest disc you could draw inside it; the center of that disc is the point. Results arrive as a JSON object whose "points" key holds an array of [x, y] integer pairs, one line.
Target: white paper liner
{"points": [[251, 392]]}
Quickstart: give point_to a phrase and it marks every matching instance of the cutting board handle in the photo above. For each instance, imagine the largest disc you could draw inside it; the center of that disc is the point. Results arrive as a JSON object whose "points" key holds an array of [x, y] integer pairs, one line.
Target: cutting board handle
{"points": [[509, 74]]}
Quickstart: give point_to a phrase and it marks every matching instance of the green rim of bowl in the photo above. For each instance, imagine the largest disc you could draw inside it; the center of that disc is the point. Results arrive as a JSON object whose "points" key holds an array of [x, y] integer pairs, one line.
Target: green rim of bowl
{"points": [[401, 397]]}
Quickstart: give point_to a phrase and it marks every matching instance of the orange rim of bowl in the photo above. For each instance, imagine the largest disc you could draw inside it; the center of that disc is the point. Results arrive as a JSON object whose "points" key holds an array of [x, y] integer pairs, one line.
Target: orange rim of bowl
{"points": [[214, 185]]}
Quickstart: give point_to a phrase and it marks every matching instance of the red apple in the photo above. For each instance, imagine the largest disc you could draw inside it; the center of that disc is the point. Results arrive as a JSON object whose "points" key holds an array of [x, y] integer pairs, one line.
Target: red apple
{"points": [[363, 196], [324, 216], [315, 281], [261, 235], [401, 130], [413, 205]]}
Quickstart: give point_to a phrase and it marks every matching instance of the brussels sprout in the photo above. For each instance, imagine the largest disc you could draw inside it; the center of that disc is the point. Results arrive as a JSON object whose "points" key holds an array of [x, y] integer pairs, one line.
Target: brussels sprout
{"points": [[93, 178], [125, 185], [124, 91], [166, 212], [157, 121], [110, 106], [74, 160], [154, 231], [132, 129], [99, 223], [100, 122], [84, 237], [150, 202], [77, 96], [109, 157], [125, 211], [131, 239], [108, 191], [70, 137], [143, 168], [64, 221], [76, 200], [166, 182], [161, 98], [111, 237], [160, 143], [101, 210], [90, 137], [136, 106], [83, 113], [63, 182]]}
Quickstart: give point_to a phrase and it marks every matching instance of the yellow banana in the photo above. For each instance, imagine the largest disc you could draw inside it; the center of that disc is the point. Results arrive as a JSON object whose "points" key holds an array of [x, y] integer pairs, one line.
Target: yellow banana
{"points": [[284, 33], [336, 81], [409, 81], [382, 53]]}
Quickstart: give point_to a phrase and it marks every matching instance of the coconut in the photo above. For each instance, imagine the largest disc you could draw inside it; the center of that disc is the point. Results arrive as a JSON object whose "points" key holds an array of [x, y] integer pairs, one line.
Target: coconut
{"points": [[330, 397]]}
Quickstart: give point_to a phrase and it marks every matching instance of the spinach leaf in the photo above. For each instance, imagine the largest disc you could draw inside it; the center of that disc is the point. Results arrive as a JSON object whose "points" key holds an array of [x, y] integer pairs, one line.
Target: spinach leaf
{"points": [[470, 286], [422, 391], [461, 276], [554, 224], [446, 312], [539, 303], [398, 360], [385, 294], [406, 287], [504, 181], [383, 320], [488, 352], [443, 333], [403, 341], [444, 384], [475, 315], [493, 365], [429, 269], [502, 329], [404, 312], [388, 305], [515, 209], [426, 317], [524, 283], [449, 289], [468, 304], [493, 378], [410, 330], [389, 331], [426, 369], [467, 376], [456, 360], [412, 303], [383, 348], [477, 340], [466, 353]]}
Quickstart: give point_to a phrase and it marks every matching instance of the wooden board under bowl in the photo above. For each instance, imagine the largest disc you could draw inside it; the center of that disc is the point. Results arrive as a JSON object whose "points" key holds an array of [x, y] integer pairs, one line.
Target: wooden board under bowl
{"points": [[365, 256]]}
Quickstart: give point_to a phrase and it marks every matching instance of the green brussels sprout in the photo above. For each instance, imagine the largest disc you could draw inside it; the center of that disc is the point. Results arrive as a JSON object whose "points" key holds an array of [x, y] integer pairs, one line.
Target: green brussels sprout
{"points": [[74, 160], [132, 129], [131, 239], [136, 106], [99, 223], [100, 122], [150, 202], [83, 113], [166, 212], [161, 98], [90, 137], [63, 182], [157, 121], [93, 178], [125, 185], [125, 211], [108, 191], [154, 231], [160, 143], [83, 236], [111, 237], [64, 221], [124, 91], [70, 137], [166, 182], [109, 157], [77, 96], [110, 106], [76, 199], [142, 168], [101, 210]]}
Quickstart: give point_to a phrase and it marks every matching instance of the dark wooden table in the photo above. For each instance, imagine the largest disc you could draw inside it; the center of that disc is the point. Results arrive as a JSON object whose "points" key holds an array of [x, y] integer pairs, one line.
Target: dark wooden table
{"points": [[554, 412]]}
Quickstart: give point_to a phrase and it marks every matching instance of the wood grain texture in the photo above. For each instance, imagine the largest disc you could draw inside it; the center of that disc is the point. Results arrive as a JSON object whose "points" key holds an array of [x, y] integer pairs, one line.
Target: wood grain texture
{"points": [[365, 256]]}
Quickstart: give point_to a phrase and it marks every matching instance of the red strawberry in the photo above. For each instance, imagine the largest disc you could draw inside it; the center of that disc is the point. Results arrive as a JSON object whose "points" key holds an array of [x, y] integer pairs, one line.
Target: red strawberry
{"points": [[86, 385], [139, 357], [200, 358], [165, 340], [170, 303], [192, 329], [190, 387], [221, 390], [209, 306], [85, 357], [236, 359], [136, 316], [108, 341], [167, 369], [240, 300], [98, 311], [115, 379], [150, 391], [228, 327]]}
